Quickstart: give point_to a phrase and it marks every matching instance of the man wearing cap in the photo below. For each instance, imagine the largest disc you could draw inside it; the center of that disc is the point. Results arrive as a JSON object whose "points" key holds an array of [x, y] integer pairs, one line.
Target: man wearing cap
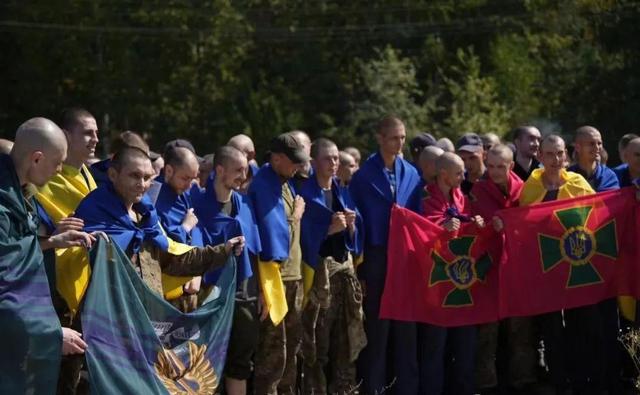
{"points": [[383, 180], [527, 142], [278, 213], [471, 150]]}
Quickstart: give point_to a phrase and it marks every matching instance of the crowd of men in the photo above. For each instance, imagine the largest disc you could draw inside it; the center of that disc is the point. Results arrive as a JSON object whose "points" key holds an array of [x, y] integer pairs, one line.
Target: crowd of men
{"points": [[310, 230]]}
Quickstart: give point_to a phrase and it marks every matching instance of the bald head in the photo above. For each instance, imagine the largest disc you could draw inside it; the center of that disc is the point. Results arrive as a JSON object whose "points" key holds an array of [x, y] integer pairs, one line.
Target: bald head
{"points": [[588, 145], [179, 157], [450, 170], [5, 146], [180, 169], [243, 143], [38, 152], [355, 153], [427, 162], [446, 145]]}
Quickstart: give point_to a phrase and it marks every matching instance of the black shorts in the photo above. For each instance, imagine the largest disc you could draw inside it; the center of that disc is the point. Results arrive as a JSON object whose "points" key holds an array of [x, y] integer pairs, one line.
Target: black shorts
{"points": [[243, 341]]}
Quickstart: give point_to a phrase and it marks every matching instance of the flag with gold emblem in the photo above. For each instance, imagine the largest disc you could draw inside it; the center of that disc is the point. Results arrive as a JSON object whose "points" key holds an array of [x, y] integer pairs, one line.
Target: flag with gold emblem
{"points": [[567, 253], [140, 344]]}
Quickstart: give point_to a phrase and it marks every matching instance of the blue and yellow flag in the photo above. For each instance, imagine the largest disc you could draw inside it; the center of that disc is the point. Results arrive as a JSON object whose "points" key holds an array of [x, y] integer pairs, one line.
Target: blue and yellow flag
{"points": [[140, 344]]}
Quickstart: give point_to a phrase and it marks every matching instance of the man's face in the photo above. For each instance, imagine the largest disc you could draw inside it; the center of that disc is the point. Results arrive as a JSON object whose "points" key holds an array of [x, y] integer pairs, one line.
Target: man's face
{"points": [[285, 167], [346, 169], [528, 143], [454, 175], [234, 173], [589, 147], [553, 156], [391, 140], [473, 161], [45, 165], [180, 178], [633, 156], [83, 138], [133, 180], [326, 162], [498, 168]]}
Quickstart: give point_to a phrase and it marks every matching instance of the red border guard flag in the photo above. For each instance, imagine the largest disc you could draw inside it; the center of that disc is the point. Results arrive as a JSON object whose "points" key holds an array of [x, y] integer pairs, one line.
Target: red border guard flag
{"points": [[566, 253], [436, 279]]}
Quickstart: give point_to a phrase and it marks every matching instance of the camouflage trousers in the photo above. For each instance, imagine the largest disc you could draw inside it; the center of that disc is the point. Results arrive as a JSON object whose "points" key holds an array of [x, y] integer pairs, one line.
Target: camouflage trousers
{"points": [[333, 330], [520, 352], [276, 369]]}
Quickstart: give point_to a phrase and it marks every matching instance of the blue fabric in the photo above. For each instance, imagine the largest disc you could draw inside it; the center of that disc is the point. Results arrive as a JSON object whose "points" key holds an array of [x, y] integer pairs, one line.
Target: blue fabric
{"points": [[103, 210], [603, 179], [317, 219], [99, 171], [172, 209], [254, 168], [217, 227], [624, 176], [265, 194], [371, 193]]}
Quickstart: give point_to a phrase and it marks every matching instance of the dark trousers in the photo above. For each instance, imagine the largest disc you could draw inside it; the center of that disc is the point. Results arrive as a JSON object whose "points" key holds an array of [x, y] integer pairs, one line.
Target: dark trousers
{"points": [[391, 352], [447, 359]]}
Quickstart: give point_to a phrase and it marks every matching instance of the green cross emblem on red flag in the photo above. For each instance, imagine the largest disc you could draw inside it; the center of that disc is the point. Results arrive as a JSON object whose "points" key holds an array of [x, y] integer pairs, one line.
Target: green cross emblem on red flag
{"points": [[461, 271], [578, 246]]}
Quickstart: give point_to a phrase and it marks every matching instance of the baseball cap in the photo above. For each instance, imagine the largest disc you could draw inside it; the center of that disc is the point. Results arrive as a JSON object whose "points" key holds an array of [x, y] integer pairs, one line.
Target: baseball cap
{"points": [[420, 141], [470, 142], [288, 145]]}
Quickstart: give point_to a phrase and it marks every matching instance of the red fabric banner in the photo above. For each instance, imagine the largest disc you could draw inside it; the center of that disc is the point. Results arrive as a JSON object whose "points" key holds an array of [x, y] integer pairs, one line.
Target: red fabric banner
{"points": [[435, 278], [568, 253]]}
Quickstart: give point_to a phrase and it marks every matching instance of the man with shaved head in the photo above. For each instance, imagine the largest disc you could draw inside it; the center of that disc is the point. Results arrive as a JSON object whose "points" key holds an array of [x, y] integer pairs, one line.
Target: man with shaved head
{"points": [[630, 171], [244, 144], [383, 180], [600, 363], [489, 140], [622, 148], [59, 199], [427, 163], [30, 356], [125, 139], [5, 146], [527, 142], [448, 352], [175, 210], [225, 213], [499, 189], [346, 168], [549, 183], [353, 151]]}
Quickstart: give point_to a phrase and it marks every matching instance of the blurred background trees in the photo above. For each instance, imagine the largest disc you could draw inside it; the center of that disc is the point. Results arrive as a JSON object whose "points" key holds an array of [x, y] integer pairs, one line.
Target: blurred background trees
{"points": [[207, 69]]}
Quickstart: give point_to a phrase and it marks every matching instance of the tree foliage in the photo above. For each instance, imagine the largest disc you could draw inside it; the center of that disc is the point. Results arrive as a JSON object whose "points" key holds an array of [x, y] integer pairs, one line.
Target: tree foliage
{"points": [[207, 69]]}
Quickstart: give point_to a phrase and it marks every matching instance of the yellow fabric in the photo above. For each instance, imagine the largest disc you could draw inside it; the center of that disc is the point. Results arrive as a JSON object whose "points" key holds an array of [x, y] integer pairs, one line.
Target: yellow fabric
{"points": [[273, 290], [307, 279], [627, 306], [63, 193], [60, 197], [358, 260], [172, 286], [534, 190]]}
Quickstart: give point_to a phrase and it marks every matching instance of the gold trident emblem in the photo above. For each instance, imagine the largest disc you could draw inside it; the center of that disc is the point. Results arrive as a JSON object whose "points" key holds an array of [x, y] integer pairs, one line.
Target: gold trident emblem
{"points": [[461, 271], [577, 244]]}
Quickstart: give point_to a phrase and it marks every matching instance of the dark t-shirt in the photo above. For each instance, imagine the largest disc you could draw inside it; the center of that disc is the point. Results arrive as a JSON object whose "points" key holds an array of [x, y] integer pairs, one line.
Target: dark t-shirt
{"points": [[525, 173], [334, 245]]}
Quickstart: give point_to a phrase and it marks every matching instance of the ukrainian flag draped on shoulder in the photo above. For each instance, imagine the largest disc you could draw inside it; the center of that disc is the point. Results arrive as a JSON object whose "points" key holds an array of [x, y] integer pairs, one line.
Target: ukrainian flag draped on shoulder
{"points": [[265, 193], [140, 344], [316, 221], [62, 194], [217, 227], [371, 192], [534, 190], [103, 210]]}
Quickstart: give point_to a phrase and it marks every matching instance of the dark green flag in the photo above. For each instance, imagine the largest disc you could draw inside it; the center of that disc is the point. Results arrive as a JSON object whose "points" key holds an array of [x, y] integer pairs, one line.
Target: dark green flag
{"points": [[140, 344]]}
